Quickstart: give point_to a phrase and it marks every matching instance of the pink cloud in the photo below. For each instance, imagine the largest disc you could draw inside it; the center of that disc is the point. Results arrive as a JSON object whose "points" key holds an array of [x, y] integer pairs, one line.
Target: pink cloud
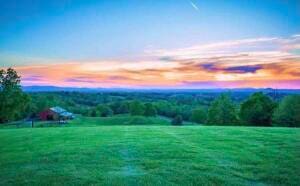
{"points": [[261, 62]]}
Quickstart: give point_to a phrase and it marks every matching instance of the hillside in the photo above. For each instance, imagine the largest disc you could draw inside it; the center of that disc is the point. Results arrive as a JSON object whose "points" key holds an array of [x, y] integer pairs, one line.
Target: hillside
{"points": [[150, 155], [82, 121]]}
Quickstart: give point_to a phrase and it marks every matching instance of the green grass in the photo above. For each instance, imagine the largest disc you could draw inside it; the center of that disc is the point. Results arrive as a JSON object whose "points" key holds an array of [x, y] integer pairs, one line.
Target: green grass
{"points": [[124, 119], [118, 120], [149, 155]]}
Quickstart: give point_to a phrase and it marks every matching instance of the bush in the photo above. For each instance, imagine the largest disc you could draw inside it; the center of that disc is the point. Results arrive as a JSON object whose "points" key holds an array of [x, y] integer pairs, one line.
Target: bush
{"points": [[93, 113], [287, 113], [177, 120]]}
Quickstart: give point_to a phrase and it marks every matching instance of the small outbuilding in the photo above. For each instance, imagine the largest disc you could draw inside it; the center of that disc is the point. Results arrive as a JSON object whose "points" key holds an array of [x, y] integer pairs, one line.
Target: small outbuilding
{"points": [[56, 113]]}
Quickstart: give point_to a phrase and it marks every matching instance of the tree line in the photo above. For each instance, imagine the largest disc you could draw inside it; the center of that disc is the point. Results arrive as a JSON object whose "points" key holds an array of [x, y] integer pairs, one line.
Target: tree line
{"points": [[257, 109]]}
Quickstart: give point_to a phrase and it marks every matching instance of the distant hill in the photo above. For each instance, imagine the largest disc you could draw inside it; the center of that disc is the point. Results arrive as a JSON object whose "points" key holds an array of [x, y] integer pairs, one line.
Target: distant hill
{"points": [[76, 89], [55, 89]]}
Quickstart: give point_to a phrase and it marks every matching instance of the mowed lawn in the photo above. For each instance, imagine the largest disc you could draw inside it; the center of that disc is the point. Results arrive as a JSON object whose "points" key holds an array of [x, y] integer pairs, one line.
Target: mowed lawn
{"points": [[150, 155]]}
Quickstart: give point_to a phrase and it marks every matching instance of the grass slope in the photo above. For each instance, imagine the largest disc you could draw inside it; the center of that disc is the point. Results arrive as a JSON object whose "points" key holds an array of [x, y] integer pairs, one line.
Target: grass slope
{"points": [[83, 121], [119, 120], [150, 155]]}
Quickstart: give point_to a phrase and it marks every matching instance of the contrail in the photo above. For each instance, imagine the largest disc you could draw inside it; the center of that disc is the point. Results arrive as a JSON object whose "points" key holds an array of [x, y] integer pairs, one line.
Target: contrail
{"points": [[194, 6]]}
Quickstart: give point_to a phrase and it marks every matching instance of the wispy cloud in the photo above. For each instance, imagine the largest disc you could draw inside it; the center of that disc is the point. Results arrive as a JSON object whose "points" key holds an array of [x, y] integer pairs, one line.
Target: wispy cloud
{"points": [[194, 6], [33, 78]]}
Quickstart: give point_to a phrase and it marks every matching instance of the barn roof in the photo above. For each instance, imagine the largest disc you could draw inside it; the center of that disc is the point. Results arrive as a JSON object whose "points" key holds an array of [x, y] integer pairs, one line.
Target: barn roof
{"points": [[58, 110], [62, 112], [66, 114]]}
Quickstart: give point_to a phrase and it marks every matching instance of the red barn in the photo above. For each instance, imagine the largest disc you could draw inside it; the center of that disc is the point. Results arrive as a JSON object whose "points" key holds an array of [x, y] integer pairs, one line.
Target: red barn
{"points": [[48, 114], [55, 113]]}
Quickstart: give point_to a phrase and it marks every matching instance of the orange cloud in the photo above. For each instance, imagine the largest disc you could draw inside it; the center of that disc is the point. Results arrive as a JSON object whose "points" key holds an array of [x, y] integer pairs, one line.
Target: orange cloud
{"points": [[262, 62]]}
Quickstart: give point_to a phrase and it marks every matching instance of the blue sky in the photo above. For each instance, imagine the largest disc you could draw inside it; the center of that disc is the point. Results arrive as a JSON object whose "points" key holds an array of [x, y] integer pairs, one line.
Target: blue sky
{"points": [[153, 43], [116, 29]]}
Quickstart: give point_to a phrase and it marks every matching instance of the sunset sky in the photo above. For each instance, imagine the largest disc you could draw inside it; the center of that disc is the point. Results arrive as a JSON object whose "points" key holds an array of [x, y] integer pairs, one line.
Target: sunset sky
{"points": [[152, 43]]}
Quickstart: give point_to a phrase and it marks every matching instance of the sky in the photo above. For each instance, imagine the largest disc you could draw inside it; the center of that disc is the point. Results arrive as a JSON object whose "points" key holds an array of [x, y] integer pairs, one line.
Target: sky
{"points": [[152, 44]]}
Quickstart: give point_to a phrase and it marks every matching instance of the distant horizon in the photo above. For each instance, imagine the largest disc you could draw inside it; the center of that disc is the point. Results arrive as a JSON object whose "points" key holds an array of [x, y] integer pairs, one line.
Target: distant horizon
{"points": [[187, 44], [154, 88]]}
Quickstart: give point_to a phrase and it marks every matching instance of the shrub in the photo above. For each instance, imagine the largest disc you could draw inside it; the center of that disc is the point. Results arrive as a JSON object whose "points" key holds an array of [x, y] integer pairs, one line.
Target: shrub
{"points": [[93, 113], [177, 120]]}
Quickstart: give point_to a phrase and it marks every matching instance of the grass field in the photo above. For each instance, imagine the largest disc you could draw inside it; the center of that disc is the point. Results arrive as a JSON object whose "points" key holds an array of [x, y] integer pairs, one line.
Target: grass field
{"points": [[150, 155], [119, 120], [82, 121]]}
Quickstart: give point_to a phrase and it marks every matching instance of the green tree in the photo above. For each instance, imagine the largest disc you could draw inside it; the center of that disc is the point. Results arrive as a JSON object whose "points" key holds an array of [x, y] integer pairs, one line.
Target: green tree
{"points": [[124, 108], [177, 120], [257, 110], [13, 101], [115, 107], [104, 110], [222, 111], [136, 108], [287, 114], [93, 113], [41, 103], [150, 110], [199, 115]]}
